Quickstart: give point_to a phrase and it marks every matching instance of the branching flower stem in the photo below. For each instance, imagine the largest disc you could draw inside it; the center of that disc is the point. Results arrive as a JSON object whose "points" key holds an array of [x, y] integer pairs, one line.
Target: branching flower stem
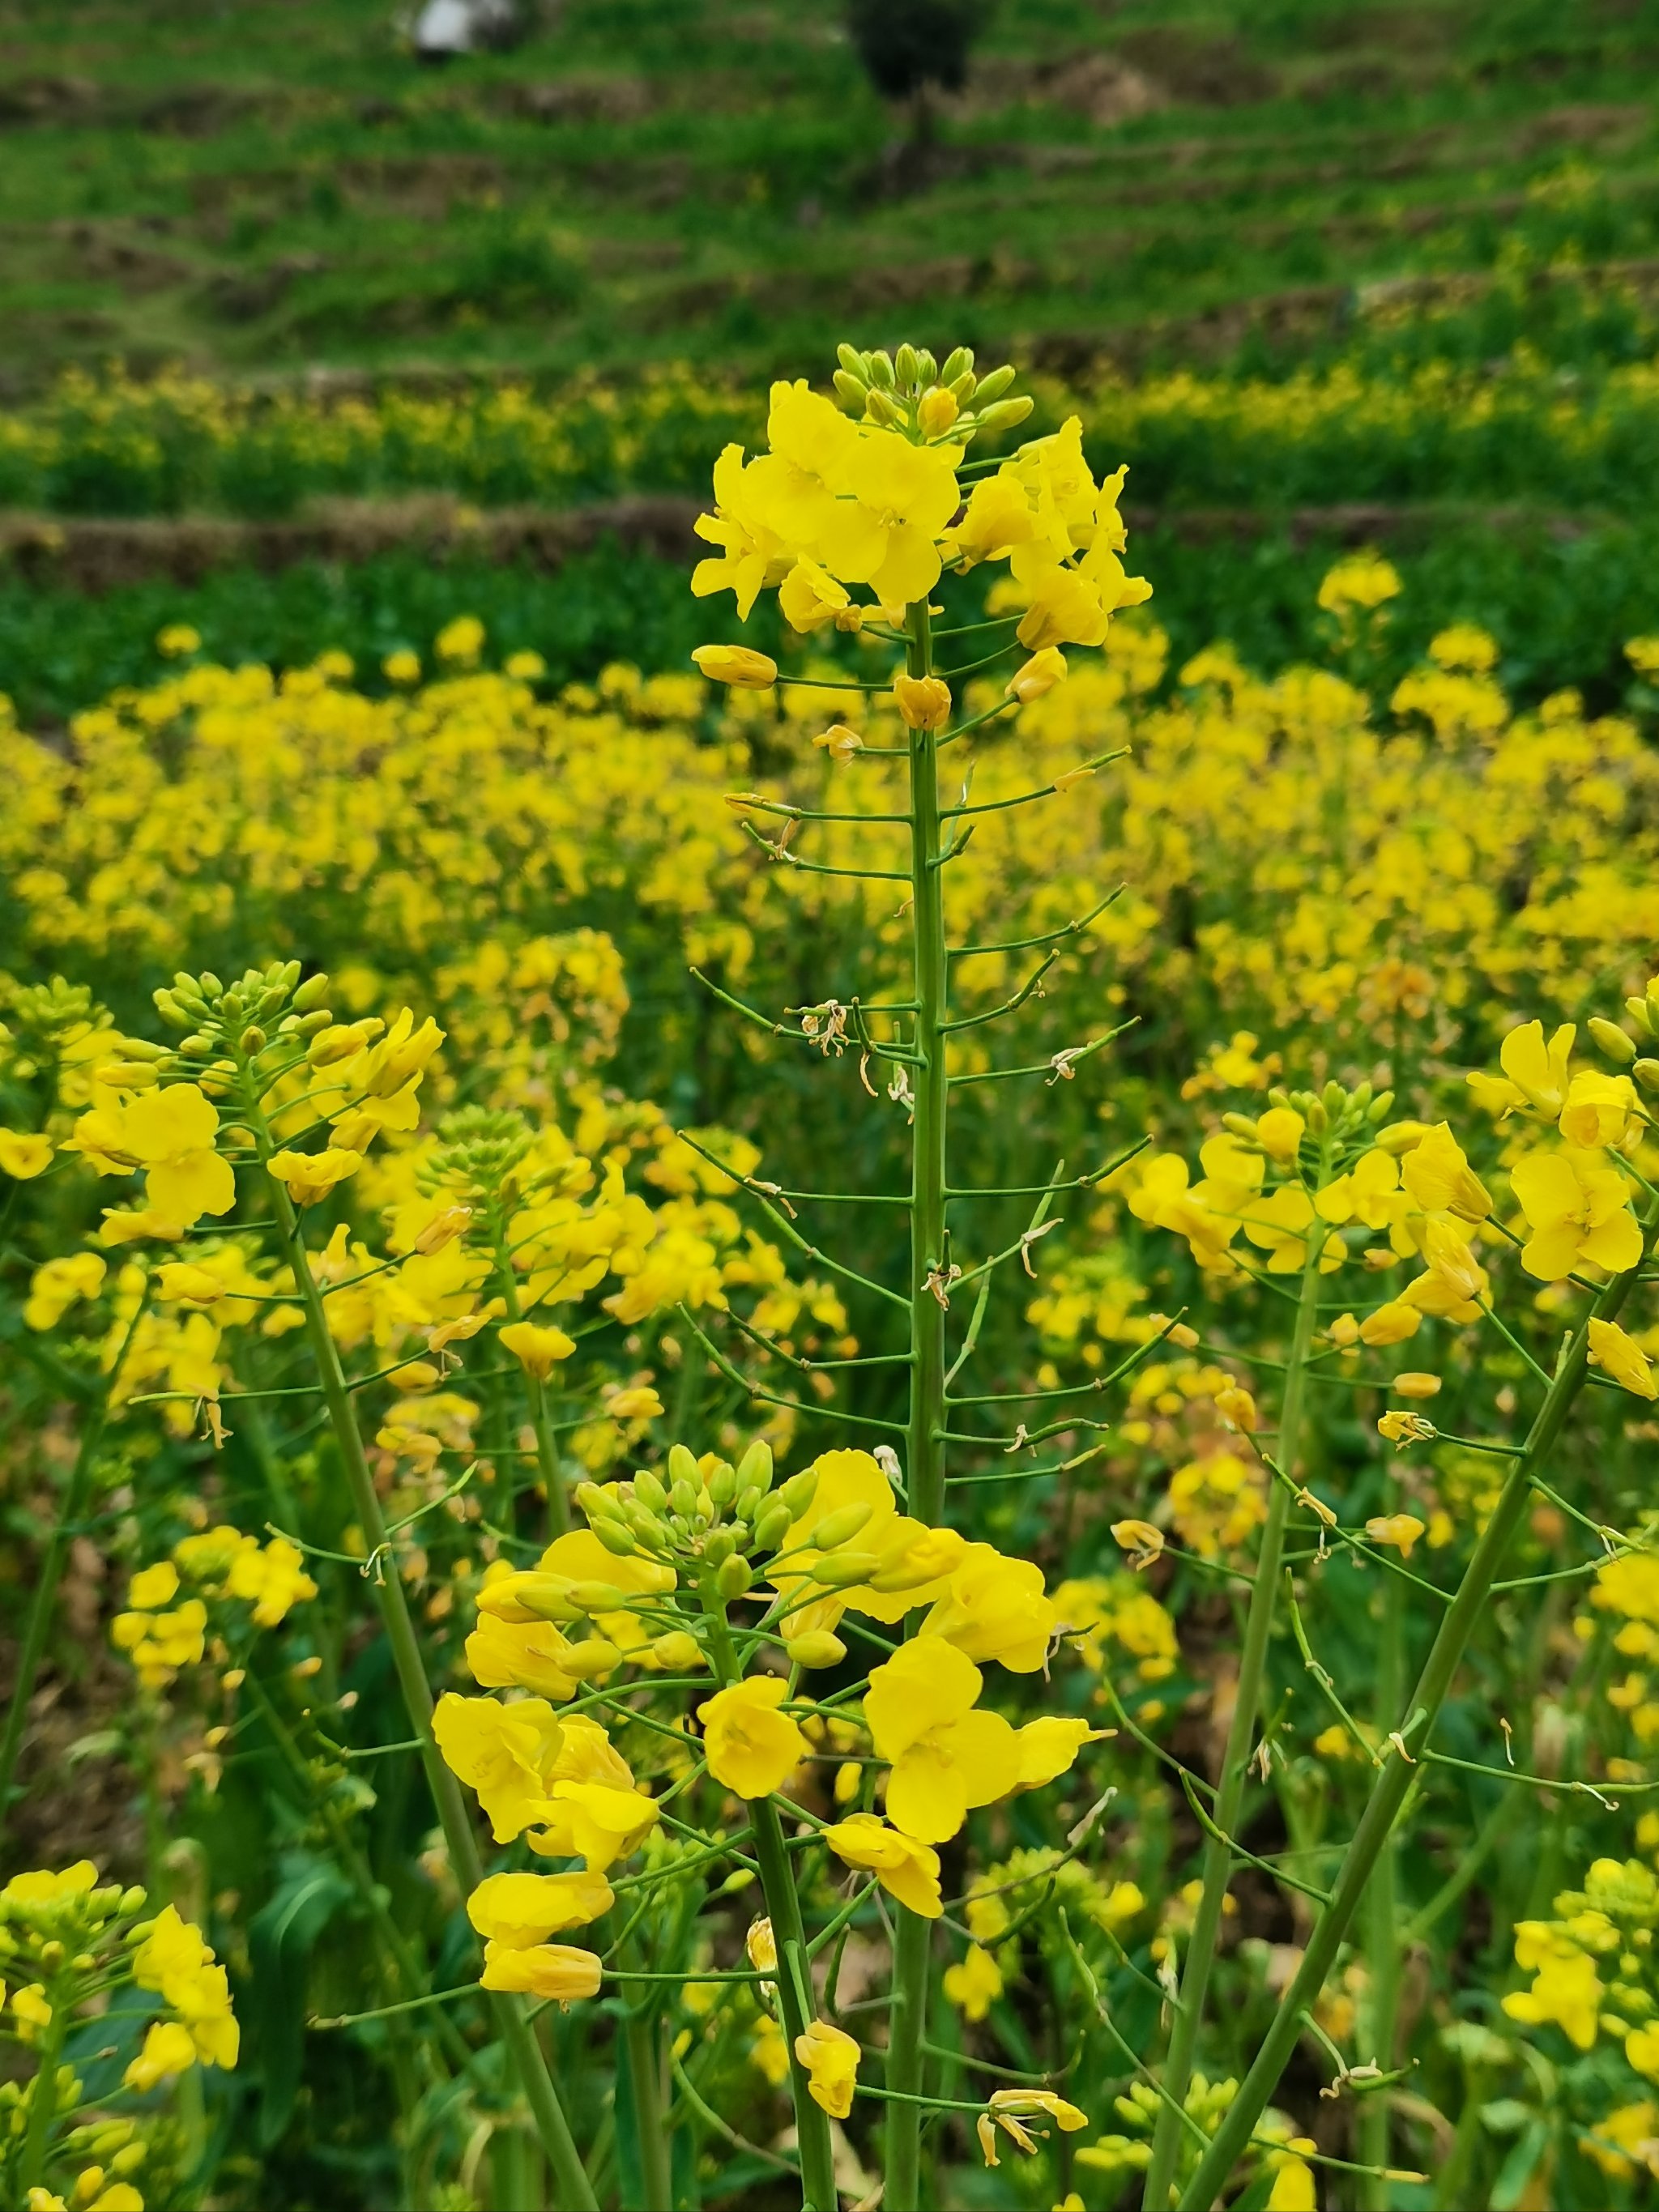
{"points": [[524, 2052], [1218, 1861], [925, 1454], [1388, 1793]]}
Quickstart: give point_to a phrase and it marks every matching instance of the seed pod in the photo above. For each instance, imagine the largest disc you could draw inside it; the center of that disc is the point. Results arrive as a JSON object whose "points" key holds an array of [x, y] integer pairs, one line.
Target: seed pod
{"points": [[840, 1526], [734, 1578]]}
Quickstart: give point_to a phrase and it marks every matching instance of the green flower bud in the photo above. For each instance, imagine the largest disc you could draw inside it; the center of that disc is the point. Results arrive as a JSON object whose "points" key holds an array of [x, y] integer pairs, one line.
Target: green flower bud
{"points": [[772, 1526], [1613, 1040], [755, 1468], [957, 364], [851, 392], [906, 367], [992, 386], [719, 1547], [684, 1496], [798, 1494], [839, 1528], [1005, 414], [1646, 1072], [1637, 1011], [817, 1647], [840, 1569], [310, 994], [649, 1489], [1380, 1107], [615, 1536], [852, 361], [747, 1504], [723, 1485], [678, 1651], [252, 1039], [593, 1656], [133, 1900], [882, 409], [597, 1597], [878, 367], [927, 367], [682, 1467], [734, 1579]]}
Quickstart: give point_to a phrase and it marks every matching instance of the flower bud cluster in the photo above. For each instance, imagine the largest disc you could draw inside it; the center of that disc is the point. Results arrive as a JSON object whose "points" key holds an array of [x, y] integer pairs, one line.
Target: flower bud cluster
{"points": [[909, 393], [241, 1020], [706, 1517]]}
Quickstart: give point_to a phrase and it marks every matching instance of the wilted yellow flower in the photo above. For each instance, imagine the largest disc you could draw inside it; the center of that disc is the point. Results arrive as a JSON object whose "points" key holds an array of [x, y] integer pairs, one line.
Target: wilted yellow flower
{"points": [[1398, 1530], [906, 1869], [554, 1972], [737, 665], [537, 1348], [923, 700], [831, 2059], [1622, 1358], [523, 1909]]}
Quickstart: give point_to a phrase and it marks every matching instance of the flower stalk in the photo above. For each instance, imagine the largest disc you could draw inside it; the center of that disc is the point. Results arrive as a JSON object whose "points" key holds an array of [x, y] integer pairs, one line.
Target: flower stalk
{"points": [[524, 2052], [1218, 1859], [1393, 1784]]}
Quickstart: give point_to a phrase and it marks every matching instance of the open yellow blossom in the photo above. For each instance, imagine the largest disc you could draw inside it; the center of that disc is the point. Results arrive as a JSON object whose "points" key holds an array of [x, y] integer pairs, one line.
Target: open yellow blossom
{"points": [[752, 1747], [945, 1756], [831, 2059], [1578, 1211], [57, 1284], [1566, 1989], [537, 1348], [167, 2050], [522, 1908], [974, 1984], [307, 1176], [170, 1133], [24, 1154], [1599, 1109], [906, 1869], [995, 1608], [1622, 1358], [503, 1753], [597, 1822], [1437, 1173], [1048, 1747], [1293, 2187]]}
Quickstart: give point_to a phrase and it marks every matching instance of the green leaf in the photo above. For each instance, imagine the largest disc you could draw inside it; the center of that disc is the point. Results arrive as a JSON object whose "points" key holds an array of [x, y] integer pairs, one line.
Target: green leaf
{"points": [[281, 1938]]}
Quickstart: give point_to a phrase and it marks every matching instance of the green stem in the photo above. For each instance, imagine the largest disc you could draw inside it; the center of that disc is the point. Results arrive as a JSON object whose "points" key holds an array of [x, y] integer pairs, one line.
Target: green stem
{"points": [[1218, 1860], [547, 1456], [43, 2104], [779, 1887], [50, 1573], [925, 1473], [1382, 1944], [1390, 1790], [645, 2072], [524, 2052]]}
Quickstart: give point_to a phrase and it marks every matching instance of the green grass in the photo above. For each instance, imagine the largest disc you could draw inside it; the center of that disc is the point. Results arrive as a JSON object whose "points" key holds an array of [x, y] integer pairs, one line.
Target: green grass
{"points": [[275, 183]]}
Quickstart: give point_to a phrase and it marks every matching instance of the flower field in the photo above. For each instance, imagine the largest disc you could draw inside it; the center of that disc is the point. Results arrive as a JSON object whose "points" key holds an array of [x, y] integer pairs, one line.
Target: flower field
{"points": [[829, 1195], [859, 1422]]}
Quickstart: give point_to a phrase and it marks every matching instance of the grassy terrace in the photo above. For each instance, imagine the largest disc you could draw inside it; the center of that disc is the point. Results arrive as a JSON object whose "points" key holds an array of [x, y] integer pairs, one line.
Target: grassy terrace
{"points": [[277, 184]]}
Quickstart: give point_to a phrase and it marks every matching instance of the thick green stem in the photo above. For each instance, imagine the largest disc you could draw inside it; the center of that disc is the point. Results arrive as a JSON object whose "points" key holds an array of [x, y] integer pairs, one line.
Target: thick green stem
{"points": [[645, 2072], [524, 2052], [50, 1573], [925, 1473], [1389, 1791], [794, 1983], [1218, 1860], [1382, 1944]]}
